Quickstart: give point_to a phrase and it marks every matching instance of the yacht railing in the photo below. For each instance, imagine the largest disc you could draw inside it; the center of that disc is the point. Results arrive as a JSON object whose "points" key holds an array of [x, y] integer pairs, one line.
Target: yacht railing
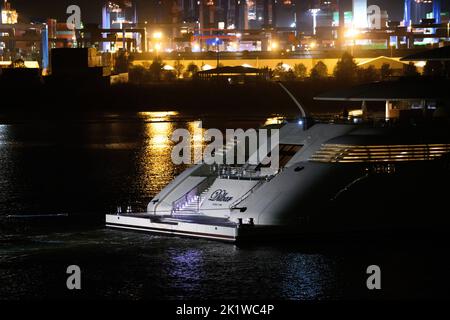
{"points": [[245, 172], [377, 120]]}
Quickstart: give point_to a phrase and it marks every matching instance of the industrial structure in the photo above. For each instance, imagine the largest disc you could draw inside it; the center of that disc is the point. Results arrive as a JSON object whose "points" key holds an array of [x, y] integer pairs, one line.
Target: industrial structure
{"points": [[416, 10], [305, 27], [9, 15], [119, 16], [20, 40], [293, 25]]}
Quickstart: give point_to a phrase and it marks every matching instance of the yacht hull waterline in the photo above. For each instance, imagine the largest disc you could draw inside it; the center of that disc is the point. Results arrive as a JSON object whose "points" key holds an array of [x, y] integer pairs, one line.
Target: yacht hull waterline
{"points": [[333, 178]]}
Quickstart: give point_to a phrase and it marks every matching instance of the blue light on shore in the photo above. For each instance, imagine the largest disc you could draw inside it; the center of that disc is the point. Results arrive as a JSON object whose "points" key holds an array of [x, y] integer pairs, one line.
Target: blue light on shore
{"points": [[300, 122]]}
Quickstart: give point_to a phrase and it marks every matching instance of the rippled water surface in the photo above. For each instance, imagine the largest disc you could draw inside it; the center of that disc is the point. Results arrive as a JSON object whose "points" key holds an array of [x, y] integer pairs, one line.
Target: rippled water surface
{"points": [[83, 167]]}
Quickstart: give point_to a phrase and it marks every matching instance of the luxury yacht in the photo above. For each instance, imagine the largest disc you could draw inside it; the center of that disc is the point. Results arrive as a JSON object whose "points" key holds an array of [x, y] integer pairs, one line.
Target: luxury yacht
{"points": [[334, 176]]}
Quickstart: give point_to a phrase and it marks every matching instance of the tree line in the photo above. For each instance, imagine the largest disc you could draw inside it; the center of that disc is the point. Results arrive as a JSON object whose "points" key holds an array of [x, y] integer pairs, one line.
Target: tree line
{"points": [[346, 70]]}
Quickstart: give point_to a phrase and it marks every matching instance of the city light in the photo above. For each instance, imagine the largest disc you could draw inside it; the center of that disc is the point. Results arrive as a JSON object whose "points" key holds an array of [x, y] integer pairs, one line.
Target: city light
{"points": [[121, 18], [207, 67], [196, 47], [168, 68], [351, 33], [157, 35], [286, 67], [314, 15], [233, 46], [392, 46], [360, 14], [355, 113], [274, 121], [273, 45], [157, 116], [420, 64]]}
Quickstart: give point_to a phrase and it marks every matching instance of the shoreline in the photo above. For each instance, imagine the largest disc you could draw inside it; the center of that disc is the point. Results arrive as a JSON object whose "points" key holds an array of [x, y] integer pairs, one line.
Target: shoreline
{"points": [[196, 99]]}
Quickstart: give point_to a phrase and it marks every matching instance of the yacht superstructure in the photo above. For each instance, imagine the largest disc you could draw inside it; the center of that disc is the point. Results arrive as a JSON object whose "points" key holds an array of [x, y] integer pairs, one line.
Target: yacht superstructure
{"points": [[333, 177]]}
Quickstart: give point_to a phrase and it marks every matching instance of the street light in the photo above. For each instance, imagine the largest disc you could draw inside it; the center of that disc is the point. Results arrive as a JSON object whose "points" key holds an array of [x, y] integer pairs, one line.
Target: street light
{"points": [[314, 15], [392, 49], [218, 52], [218, 58], [157, 36]]}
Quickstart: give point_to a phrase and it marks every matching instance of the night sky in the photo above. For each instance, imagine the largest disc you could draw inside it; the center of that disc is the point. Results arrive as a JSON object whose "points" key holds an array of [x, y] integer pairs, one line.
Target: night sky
{"points": [[91, 9]]}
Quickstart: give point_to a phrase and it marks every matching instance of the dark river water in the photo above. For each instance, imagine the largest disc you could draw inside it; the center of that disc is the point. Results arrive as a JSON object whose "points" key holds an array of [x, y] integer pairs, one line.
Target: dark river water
{"points": [[83, 167]]}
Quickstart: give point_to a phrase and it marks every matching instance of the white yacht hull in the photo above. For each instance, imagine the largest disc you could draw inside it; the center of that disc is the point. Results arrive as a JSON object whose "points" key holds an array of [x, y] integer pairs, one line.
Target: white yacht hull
{"points": [[336, 182], [177, 227]]}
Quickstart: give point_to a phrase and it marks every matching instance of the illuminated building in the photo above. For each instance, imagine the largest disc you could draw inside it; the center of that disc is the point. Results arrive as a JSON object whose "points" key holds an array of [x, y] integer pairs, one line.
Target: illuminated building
{"points": [[9, 15], [360, 14], [22, 41], [194, 25], [119, 15], [60, 35], [416, 10]]}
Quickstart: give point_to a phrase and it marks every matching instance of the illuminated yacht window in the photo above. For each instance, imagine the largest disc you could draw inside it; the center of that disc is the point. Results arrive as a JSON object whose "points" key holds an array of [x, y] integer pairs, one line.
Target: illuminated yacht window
{"points": [[379, 153]]}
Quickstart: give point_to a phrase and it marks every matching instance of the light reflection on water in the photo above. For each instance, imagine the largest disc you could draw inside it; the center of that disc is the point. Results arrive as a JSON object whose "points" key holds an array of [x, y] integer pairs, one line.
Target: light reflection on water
{"points": [[186, 269], [308, 277], [85, 167], [127, 265], [118, 161], [155, 163]]}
